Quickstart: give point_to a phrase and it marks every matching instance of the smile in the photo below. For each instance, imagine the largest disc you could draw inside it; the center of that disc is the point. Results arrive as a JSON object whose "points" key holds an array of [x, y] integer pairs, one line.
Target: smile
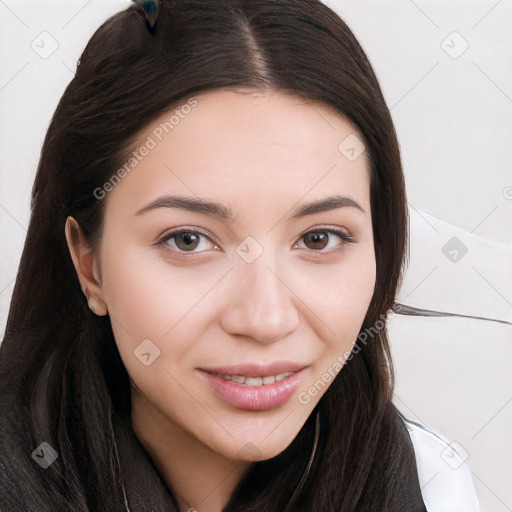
{"points": [[254, 381], [252, 391]]}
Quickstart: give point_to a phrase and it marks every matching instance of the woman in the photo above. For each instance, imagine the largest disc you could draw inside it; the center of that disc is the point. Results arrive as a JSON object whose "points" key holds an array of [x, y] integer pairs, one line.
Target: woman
{"points": [[218, 231]]}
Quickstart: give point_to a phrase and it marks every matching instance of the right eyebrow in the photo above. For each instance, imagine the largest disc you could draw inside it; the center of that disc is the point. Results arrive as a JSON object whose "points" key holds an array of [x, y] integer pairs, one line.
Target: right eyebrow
{"points": [[192, 204]]}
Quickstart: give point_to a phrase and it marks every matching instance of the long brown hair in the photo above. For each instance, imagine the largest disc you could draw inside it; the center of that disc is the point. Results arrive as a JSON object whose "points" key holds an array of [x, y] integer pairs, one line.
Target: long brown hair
{"points": [[62, 380]]}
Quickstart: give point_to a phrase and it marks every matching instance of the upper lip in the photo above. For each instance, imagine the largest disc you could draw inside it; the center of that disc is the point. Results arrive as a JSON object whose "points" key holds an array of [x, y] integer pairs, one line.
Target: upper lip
{"points": [[257, 369]]}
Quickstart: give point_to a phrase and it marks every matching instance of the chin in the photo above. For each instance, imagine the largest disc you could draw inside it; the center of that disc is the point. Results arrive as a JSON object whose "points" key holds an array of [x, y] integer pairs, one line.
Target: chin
{"points": [[254, 450]]}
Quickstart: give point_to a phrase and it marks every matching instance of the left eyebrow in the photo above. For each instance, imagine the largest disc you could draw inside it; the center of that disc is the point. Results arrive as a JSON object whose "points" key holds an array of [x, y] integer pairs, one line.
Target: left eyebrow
{"points": [[327, 204]]}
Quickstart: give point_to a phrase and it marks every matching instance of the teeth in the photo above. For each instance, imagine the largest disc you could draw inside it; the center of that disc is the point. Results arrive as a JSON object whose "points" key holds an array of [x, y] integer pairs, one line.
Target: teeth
{"points": [[254, 381]]}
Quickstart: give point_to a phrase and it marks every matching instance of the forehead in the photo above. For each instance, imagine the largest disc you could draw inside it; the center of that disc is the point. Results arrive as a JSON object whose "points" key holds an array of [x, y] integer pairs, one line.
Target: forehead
{"points": [[246, 144]]}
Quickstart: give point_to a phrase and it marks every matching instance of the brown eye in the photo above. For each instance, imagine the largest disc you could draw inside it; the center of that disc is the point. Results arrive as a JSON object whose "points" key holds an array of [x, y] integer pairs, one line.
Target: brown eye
{"points": [[316, 241], [186, 241], [325, 240]]}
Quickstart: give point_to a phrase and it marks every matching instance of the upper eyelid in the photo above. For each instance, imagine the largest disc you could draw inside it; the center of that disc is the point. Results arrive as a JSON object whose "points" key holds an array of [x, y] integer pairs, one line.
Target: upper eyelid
{"points": [[173, 232]]}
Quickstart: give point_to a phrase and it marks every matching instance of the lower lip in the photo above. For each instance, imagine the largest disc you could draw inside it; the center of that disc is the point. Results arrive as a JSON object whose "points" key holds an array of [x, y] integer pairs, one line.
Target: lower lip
{"points": [[254, 398]]}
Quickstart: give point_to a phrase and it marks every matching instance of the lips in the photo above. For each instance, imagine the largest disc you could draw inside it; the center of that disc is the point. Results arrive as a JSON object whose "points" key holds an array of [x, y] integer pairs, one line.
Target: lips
{"points": [[255, 387]]}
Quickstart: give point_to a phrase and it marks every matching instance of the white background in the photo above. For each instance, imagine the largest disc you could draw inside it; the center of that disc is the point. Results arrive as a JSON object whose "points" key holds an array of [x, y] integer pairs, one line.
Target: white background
{"points": [[446, 71]]}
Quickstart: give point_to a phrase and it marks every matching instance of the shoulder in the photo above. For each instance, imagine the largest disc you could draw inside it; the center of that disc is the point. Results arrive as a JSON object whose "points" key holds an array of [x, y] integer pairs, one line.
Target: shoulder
{"points": [[443, 471]]}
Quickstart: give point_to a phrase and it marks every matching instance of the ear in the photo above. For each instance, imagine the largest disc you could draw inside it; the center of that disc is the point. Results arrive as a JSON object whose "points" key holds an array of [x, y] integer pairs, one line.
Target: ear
{"points": [[86, 266]]}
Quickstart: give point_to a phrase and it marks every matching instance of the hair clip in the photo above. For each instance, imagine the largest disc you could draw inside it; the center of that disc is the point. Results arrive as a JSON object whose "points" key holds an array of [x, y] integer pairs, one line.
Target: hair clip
{"points": [[150, 10]]}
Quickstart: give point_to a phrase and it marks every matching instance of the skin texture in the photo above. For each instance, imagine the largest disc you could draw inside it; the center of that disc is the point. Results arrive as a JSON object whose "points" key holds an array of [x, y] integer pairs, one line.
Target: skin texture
{"points": [[261, 154]]}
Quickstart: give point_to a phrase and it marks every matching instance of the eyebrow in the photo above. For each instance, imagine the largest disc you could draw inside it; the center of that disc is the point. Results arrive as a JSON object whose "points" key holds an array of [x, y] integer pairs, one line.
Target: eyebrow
{"points": [[327, 204], [205, 207]]}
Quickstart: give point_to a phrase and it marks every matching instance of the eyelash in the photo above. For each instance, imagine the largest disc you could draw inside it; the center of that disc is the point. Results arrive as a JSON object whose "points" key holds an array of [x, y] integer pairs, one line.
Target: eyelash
{"points": [[169, 235]]}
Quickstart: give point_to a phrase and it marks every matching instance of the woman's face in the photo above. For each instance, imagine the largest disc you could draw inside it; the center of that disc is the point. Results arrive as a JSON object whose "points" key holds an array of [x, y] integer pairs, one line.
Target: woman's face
{"points": [[256, 287]]}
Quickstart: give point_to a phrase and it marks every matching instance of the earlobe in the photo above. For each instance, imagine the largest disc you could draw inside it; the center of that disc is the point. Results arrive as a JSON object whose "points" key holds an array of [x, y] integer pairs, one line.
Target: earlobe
{"points": [[98, 307], [84, 261]]}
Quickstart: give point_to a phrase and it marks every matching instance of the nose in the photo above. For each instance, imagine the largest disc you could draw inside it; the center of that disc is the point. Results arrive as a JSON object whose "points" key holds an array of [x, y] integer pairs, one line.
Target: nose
{"points": [[260, 305]]}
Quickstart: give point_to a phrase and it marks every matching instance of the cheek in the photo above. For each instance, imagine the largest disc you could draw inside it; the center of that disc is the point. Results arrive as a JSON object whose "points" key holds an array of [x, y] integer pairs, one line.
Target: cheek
{"points": [[340, 305], [149, 299], [343, 293]]}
